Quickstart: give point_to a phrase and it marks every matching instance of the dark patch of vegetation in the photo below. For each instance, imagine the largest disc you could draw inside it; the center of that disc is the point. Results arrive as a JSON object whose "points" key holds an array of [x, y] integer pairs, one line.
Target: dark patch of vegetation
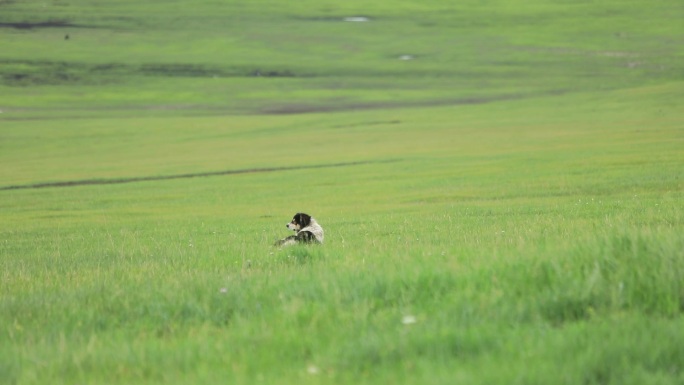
{"points": [[180, 70], [196, 70], [23, 73], [41, 24], [27, 73], [305, 108], [274, 73]]}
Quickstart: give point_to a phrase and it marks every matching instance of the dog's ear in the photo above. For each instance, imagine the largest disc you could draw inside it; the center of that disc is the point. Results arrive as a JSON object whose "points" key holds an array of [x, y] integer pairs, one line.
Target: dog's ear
{"points": [[303, 219]]}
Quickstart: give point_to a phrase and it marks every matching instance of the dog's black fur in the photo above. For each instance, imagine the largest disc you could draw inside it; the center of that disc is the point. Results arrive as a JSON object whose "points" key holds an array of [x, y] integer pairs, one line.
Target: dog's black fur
{"points": [[299, 222]]}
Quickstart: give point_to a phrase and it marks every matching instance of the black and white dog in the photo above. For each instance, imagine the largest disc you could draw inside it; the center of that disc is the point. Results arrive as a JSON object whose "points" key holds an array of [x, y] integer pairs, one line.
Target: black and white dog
{"points": [[306, 229]]}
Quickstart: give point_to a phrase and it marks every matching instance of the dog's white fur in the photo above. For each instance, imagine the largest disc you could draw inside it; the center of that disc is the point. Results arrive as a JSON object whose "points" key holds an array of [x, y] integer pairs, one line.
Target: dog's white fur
{"points": [[314, 228]]}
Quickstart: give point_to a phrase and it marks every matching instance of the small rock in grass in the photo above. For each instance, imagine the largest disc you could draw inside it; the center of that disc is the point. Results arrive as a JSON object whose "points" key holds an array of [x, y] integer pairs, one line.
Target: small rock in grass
{"points": [[356, 19]]}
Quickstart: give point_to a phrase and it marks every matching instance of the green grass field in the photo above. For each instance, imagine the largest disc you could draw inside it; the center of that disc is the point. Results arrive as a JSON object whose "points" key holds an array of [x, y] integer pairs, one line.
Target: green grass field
{"points": [[504, 207]]}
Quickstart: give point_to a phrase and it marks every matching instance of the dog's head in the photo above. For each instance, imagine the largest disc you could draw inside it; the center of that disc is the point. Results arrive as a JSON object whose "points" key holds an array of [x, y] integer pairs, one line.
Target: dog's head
{"points": [[299, 221]]}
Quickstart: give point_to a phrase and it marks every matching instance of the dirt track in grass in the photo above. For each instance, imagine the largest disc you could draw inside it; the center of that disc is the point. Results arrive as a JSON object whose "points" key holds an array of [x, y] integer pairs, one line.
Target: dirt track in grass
{"points": [[89, 182]]}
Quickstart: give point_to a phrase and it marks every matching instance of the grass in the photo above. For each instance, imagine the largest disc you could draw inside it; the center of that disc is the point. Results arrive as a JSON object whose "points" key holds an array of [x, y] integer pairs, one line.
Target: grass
{"points": [[507, 210], [120, 55]]}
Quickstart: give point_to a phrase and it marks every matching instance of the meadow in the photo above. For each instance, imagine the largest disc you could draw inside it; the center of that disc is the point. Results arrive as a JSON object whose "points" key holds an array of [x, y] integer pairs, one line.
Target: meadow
{"points": [[500, 184]]}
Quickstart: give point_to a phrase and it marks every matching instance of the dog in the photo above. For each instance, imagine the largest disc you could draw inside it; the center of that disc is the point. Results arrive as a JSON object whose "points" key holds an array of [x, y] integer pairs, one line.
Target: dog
{"points": [[306, 229]]}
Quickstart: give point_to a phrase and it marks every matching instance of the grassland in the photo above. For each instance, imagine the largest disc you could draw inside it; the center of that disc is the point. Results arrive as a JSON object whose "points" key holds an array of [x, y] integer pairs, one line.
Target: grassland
{"points": [[505, 207]]}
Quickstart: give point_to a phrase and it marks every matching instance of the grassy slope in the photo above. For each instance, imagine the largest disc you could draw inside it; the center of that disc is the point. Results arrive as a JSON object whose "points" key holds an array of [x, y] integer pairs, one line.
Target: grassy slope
{"points": [[463, 51], [534, 240]]}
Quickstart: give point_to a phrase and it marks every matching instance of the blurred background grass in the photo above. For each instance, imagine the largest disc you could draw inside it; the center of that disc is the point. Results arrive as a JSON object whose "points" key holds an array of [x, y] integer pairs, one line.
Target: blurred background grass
{"points": [[120, 54]]}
